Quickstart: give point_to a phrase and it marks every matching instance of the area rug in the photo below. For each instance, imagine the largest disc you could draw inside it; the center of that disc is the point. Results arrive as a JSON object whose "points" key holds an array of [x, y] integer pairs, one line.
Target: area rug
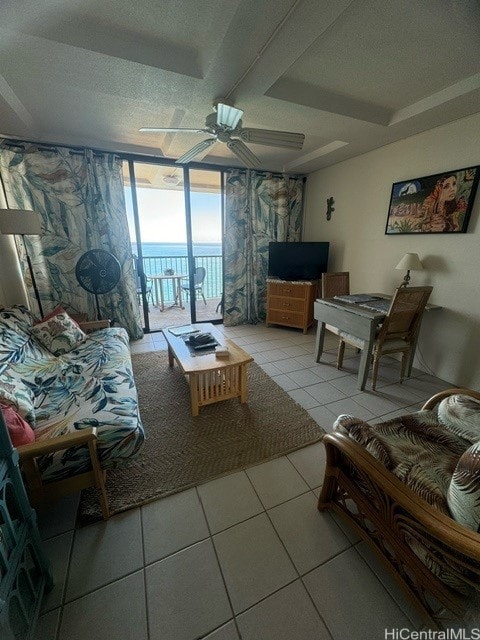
{"points": [[181, 451]]}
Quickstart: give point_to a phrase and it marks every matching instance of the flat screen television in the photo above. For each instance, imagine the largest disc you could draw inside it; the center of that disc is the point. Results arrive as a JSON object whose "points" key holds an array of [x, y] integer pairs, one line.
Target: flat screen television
{"points": [[297, 260]]}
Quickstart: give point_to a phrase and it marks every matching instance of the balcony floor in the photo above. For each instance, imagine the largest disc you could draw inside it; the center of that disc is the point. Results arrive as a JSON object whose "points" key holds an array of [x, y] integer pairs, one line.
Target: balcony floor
{"points": [[174, 315]]}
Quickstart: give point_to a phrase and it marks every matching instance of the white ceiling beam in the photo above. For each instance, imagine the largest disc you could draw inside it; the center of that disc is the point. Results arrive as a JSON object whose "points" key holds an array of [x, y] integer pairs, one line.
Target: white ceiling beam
{"points": [[317, 153], [297, 92], [84, 33], [292, 39], [461, 88], [8, 96]]}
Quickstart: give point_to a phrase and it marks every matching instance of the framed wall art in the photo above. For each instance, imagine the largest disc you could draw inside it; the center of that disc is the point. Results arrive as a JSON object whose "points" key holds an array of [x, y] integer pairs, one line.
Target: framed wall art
{"points": [[440, 203]]}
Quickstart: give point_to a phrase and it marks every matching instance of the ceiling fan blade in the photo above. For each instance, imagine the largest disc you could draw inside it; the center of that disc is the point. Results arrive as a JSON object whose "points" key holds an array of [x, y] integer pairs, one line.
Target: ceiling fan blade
{"points": [[241, 150], [228, 116], [271, 138], [172, 130], [194, 151]]}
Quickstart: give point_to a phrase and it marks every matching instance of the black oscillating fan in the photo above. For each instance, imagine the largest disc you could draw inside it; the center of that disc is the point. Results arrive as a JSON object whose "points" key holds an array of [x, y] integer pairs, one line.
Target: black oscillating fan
{"points": [[98, 271]]}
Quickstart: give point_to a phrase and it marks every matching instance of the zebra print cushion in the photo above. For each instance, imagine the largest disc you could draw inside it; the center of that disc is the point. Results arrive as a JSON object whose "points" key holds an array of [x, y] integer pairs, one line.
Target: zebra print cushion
{"points": [[464, 491], [461, 415]]}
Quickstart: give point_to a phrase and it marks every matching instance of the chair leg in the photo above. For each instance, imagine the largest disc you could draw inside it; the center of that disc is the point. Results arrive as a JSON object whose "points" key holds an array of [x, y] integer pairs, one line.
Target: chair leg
{"points": [[403, 367], [376, 362], [99, 475], [204, 298], [340, 353]]}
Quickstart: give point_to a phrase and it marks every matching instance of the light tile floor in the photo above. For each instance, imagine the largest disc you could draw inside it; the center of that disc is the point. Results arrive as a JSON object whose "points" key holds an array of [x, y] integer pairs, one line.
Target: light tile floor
{"points": [[246, 555]]}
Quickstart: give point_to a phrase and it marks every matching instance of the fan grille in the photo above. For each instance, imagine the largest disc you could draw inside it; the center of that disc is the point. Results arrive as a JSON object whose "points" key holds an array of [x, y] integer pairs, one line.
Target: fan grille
{"points": [[98, 271]]}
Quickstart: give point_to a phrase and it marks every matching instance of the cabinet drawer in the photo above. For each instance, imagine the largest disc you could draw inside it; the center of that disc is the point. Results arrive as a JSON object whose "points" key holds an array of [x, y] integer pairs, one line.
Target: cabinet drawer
{"points": [[288, 290], [289, 318], [287, 304]]}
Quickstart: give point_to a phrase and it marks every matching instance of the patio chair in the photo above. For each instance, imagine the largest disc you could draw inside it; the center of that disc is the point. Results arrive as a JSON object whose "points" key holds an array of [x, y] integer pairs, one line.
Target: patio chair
{"points": [[198, 279], [138, 282]]}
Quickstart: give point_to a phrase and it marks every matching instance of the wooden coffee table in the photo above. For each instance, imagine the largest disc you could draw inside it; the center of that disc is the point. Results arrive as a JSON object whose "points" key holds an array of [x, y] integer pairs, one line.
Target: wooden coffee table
{"points": [[211, 379]]}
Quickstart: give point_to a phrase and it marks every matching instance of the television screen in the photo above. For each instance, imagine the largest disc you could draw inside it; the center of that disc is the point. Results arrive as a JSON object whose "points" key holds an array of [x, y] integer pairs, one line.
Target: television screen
{"points": [[297, 260]]}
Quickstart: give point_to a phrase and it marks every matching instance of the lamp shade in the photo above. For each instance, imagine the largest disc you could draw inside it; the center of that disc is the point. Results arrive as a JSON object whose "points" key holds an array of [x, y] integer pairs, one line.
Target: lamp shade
{"points": [[410, 262], [20, 222]]}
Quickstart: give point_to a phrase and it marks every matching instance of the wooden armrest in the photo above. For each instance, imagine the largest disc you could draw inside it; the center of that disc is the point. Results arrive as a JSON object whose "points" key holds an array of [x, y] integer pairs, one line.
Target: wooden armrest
{"points": [[58, 443], [93, 325], [438, 397]]}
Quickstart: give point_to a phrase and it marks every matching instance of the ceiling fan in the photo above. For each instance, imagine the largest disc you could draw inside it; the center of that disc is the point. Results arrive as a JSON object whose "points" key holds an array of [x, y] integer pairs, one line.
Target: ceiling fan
{"points": [[225, 125]]}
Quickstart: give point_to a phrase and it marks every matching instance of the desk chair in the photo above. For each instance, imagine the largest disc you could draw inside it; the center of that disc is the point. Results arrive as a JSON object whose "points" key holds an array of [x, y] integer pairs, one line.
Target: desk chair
{"points": [[335, 284], [198, 278], [398, 332]]}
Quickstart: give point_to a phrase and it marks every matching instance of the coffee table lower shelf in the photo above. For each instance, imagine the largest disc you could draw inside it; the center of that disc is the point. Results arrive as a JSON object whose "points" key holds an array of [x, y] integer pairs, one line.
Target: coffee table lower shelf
{"points": [[211, 379], [207, 387]]}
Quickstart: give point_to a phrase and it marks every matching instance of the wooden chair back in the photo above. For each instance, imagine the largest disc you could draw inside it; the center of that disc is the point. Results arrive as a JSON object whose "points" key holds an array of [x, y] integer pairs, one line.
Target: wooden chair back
{"points": [[335, 284], [404, 314]]}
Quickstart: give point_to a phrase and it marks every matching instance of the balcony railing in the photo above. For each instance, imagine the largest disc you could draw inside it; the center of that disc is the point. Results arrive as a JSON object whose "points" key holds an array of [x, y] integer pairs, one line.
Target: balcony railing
{"points": [[212, 285]]}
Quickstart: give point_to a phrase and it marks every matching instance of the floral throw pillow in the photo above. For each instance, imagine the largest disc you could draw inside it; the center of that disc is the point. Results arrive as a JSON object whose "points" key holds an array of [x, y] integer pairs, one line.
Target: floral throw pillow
{"points": [[59, 334]]}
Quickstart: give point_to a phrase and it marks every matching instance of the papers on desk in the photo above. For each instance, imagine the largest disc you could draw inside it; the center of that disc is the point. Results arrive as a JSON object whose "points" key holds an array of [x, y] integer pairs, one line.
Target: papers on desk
{"points": [[357, 298], [381, 305]]}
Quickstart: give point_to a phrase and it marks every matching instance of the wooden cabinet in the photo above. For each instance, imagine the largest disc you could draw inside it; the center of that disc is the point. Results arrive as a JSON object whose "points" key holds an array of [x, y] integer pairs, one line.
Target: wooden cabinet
{"points": [[291, 303]]}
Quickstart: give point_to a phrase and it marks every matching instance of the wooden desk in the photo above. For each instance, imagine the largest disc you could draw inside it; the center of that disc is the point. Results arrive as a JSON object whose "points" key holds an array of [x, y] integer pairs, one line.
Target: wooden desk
{"points": [[359, 322], [211, 379], [177, 289]]}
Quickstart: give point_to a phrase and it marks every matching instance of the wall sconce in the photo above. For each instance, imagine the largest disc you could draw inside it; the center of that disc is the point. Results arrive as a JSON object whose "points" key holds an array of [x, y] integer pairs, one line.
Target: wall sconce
{"points": [[410, 262]]}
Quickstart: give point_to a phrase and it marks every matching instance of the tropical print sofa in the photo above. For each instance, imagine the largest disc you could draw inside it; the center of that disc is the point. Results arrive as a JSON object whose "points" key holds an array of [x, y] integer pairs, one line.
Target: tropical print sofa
{"points": [[411, 486], [91, 385]]}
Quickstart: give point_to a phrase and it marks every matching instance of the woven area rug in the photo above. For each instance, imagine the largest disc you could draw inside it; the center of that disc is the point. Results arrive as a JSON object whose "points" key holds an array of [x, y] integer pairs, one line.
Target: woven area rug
{"points": [[181, 451]]}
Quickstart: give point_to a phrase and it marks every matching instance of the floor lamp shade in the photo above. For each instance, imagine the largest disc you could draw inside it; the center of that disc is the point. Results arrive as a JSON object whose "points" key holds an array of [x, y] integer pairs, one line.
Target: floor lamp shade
{"points": [[23, 222]]}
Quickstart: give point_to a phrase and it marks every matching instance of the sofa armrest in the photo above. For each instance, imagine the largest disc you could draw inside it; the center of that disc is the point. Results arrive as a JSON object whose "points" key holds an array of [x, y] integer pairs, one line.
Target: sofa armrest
{"points": [[94, 325], [41, 447]]}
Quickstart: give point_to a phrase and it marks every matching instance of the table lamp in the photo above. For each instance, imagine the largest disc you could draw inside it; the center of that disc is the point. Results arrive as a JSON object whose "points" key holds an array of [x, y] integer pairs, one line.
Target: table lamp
{"points": [[23, 222], [410, 262]]}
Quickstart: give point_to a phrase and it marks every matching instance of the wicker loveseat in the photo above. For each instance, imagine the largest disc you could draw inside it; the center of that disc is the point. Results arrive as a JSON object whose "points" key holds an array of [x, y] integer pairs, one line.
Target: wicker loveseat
{"points": [[411, 488]]}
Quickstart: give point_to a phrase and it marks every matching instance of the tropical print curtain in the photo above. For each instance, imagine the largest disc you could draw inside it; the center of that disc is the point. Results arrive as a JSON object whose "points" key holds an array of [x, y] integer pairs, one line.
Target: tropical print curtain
{"points": [[259, 208], [79, 196]]}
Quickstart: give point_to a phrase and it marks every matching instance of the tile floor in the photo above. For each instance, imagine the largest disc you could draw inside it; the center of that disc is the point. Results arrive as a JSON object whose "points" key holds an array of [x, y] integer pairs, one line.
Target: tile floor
{"points": [[246, 555]]}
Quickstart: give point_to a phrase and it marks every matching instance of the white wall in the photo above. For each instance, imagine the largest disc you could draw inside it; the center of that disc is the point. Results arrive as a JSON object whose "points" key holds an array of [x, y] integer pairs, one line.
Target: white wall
{"points": [[449, 345]]}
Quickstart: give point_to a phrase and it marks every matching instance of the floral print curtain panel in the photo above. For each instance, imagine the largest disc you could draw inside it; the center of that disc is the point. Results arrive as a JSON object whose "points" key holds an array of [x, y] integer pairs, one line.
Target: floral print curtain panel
{"points": [[260, 208], [80, 197]]}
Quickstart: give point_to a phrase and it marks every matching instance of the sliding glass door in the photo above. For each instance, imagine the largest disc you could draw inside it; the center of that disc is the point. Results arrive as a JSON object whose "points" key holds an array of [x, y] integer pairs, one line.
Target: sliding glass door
{"points": [[205, 204], [175, 221]]}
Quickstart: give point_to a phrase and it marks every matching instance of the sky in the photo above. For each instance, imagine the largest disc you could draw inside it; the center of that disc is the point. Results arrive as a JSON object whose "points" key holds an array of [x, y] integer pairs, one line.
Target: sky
{"points": [[162, 215]]}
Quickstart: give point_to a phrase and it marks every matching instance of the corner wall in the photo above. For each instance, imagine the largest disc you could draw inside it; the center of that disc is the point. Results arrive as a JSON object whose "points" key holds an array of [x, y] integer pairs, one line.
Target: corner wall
{"points": [[449, 344]]}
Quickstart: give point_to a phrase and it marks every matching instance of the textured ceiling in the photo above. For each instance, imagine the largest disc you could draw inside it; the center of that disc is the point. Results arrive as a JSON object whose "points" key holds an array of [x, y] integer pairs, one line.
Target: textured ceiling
{"points": [[352, 75]]}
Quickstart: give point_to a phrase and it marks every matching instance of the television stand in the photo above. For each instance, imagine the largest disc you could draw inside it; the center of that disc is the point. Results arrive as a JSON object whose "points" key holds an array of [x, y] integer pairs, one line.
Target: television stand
{"points": [[290, 303]]}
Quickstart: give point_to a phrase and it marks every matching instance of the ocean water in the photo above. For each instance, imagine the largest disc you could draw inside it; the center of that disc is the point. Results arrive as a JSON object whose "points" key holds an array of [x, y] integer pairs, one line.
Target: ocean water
{"points": [[155, 249], [159, 256]]}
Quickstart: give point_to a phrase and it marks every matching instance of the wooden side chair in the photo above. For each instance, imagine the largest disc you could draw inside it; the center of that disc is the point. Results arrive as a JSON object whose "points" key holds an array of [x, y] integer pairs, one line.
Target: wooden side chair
{"points": [[398, 332], [335, 284]]}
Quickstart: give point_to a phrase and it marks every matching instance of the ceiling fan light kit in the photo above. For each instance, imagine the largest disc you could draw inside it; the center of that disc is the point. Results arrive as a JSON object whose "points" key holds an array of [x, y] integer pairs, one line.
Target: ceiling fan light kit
{"points": [[225, 126]]}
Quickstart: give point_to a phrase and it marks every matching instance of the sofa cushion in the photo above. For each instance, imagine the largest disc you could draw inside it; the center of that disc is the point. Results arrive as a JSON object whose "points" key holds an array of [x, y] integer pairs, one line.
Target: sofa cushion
{"points": [[59, 334], [415, 448], [19, 430], [461, 415], [464, 490]]}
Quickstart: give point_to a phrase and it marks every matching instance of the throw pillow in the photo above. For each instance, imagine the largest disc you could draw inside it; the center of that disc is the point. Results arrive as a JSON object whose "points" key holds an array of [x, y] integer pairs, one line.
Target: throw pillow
{"points": [[19, 430], [57, 311], [461, 415], [464, 491], [60, 334]]}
